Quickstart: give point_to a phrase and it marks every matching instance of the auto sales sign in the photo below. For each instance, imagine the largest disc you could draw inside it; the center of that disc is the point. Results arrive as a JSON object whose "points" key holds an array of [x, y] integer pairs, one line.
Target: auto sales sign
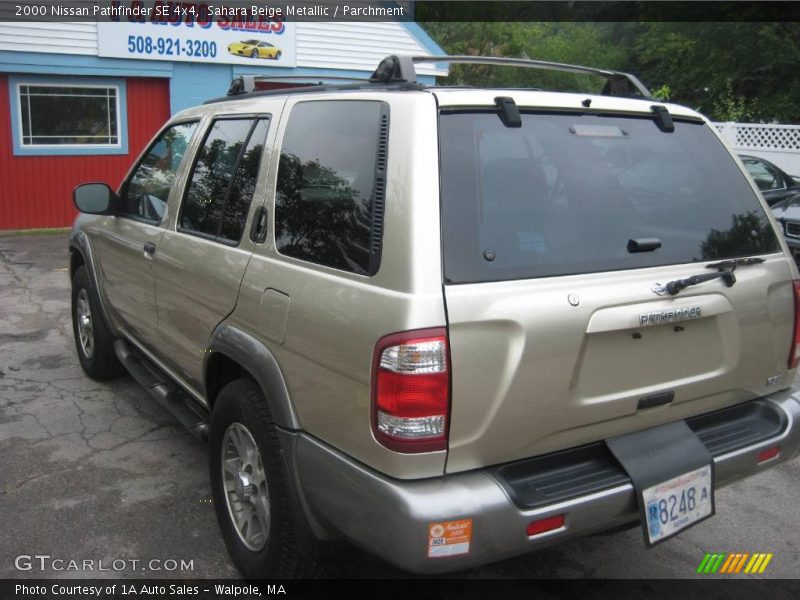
{"points": [[197, 32]]}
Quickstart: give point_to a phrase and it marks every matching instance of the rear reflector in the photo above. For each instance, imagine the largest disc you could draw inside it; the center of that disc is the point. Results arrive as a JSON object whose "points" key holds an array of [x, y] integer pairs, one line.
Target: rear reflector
{"points": [[545, 525], [794, 356], [769, 454], [411, 390]]}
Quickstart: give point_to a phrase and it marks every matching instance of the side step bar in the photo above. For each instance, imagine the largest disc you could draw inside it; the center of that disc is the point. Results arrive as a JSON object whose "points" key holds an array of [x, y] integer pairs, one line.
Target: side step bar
{"points": [[175, 401]]}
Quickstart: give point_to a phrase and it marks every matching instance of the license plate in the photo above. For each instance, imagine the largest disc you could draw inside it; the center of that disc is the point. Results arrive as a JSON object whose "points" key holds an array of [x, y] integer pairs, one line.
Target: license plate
{"points": [[678, 503]]}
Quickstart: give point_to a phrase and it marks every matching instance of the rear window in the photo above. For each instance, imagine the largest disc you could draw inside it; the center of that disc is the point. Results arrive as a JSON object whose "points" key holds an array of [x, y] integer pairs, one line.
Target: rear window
{"points": [[565, 193]]}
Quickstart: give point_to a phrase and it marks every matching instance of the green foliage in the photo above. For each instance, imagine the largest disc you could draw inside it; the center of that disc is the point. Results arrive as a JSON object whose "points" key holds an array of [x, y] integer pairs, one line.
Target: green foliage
{"points": [[664, 93], [731, 107], [729, 71], [557, 42]]}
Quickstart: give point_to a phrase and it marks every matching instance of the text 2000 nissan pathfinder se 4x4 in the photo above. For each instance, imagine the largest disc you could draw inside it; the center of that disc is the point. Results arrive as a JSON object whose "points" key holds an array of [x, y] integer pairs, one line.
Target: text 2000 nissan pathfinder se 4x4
{"points": [[447, 325]]}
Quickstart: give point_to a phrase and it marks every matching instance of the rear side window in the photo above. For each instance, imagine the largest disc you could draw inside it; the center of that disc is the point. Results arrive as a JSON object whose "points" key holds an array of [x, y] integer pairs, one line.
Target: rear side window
{"points": [[223, 179], [331, 184], [563, 194]]}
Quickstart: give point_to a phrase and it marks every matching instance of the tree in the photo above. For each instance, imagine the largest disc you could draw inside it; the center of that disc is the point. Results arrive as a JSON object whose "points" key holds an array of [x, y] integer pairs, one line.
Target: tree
{"points": [[557, 42], [729, 71]]}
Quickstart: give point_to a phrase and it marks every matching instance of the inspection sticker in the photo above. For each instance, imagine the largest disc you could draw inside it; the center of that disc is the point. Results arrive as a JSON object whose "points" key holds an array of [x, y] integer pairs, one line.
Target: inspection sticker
{"points": [[449, 538]]}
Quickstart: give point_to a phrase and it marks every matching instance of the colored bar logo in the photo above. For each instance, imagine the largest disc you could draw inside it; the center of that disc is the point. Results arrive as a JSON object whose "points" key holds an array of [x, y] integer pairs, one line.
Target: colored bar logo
{"points": [[735, 562]]}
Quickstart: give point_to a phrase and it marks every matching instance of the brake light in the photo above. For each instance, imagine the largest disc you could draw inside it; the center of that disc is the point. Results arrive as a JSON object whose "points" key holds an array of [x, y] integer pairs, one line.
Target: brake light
{"points": [[794, 357], [411, 390]]}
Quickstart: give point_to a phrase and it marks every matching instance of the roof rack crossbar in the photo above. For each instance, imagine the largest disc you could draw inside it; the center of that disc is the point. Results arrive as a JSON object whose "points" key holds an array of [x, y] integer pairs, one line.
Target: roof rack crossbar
{"points": [[244, 84], [401, 68]]}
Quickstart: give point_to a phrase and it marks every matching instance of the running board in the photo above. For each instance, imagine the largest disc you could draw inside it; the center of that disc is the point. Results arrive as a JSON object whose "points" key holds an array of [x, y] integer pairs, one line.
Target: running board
{"points": [[166, 393]]}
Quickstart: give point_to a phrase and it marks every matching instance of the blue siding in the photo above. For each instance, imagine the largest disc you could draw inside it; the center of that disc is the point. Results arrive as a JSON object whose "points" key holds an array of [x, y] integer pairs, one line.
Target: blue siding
{"points": [[423, 38], [69, 64], [194, 83]]}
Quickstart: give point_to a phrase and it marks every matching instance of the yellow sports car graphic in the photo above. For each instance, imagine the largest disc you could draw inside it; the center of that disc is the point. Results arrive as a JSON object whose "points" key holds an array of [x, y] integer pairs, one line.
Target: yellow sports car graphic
{"points": [[255, 49]]}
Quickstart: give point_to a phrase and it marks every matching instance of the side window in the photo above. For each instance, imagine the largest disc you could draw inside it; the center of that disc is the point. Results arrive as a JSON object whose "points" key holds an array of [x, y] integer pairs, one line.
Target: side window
{"points": [[765, 179], [223, 179], [145, 194], [331, 184]]}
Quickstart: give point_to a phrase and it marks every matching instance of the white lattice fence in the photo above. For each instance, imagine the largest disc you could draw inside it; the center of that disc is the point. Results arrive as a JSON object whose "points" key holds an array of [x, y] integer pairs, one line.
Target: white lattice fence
{"points": [[777, 143]]}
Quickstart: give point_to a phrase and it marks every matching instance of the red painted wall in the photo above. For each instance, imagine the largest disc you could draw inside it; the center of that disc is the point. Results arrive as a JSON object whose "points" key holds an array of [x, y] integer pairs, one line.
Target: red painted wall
{"points": [[36, 191]]}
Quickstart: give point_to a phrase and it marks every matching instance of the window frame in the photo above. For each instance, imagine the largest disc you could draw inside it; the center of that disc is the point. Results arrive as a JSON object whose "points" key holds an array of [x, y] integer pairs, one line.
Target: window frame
{"points": [[768, 168], [782, 185], [123, 187], [254, 117], [16, 83]]}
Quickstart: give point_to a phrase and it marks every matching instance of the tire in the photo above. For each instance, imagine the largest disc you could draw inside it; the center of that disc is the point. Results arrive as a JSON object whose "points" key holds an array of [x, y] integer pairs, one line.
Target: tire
{"points": [[277, 55], [277, 542], [254, 53], [93, 339]]}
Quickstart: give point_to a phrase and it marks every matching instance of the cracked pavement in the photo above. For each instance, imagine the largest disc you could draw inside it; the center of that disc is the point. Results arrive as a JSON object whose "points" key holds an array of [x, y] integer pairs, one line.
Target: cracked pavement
{"points": [[100, 471]]}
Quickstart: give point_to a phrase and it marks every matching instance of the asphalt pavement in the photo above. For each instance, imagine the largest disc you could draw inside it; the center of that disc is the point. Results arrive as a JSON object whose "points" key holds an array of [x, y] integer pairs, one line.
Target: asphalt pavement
{"points": [[100, 472]]}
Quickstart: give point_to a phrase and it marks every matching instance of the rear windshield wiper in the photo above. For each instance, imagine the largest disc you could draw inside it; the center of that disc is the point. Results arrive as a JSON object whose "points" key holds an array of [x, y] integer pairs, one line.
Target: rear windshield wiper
{"points": [[735, 262], [725, 272]]}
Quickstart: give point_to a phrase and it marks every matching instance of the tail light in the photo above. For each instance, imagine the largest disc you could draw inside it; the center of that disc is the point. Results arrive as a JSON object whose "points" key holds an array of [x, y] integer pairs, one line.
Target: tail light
{"points": [[794, 356], [411, 390]]}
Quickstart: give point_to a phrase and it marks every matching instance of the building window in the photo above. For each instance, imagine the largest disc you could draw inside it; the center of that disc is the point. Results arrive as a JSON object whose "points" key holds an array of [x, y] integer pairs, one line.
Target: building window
{"points": [[75, 115], [68, 115]]}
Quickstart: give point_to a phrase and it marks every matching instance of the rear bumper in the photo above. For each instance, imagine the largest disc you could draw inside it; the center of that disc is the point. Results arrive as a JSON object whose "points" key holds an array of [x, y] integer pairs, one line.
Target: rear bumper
{"points": [[390, 518]]}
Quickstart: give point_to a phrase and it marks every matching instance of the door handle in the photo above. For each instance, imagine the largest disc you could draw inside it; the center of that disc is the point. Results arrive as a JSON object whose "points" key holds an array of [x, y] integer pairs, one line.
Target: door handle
{"points": [[149, 250], [258, 230]]}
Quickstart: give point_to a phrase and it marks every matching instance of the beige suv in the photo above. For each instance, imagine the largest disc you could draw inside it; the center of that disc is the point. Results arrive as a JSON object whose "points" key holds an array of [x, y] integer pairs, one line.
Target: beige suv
{"points": [[446, 325]]}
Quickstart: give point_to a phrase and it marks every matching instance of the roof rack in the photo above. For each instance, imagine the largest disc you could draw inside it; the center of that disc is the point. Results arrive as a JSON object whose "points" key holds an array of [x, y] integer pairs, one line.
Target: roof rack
{"points": [[400, 69], [245, 84], [396, 69]]}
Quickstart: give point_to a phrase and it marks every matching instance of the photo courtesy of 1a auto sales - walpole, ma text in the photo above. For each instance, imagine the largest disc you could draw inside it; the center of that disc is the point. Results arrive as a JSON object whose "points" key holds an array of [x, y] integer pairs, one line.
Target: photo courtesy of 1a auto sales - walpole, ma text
{"points": [[439, 297]]}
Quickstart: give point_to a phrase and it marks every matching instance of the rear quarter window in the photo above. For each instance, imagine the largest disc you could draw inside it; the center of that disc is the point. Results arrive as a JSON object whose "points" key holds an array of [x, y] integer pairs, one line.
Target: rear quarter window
{"points": [[331, 184]]}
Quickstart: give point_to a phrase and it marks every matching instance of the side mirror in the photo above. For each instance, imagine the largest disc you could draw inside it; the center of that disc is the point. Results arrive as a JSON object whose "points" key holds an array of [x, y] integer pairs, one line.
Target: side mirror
{"points": [[94, 199]]}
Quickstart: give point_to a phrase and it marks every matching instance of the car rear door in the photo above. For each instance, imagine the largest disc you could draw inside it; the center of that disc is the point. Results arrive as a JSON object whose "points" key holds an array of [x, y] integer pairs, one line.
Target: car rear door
{"points": [[203, 255], [560, 239]]}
